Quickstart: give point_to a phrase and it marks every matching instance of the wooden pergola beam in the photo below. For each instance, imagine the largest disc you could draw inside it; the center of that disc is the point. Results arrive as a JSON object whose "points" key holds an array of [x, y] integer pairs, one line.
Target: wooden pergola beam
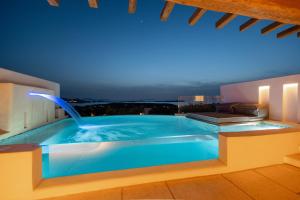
{"points": [[248, 24], [165, 13], [289, 31], [199, 12], [228, 17], [53, 3], [131, 6], [271, 27], [93, 3], [285, 11]]}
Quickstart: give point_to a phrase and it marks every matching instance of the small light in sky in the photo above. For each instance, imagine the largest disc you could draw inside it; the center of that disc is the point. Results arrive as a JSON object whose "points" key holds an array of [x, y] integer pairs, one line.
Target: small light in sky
{"points": [[140, 20]]}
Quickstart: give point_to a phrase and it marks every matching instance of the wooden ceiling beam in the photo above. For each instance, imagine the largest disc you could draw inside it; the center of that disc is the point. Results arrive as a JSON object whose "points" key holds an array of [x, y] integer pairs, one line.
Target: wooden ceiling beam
{"points": [[285, 11], [132, 6], [289, 31], [166, 11], [53, 3], [228, 17], [248, 24], [199, 12], [93, 3], [271, 27]]}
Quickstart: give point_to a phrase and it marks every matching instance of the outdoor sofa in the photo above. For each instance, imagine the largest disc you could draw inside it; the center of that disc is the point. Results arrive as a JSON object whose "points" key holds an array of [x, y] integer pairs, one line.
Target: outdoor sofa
{"points": [[232, 113]]}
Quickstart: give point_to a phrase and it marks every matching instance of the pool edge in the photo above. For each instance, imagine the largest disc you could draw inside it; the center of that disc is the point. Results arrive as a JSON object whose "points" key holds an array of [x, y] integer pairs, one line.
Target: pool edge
{"points": [[237, 151]]}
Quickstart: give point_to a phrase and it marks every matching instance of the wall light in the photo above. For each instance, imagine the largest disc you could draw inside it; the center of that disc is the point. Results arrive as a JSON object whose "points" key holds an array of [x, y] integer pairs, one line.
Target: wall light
{"points": [[264, 94], [199, 98], [290, 102], [264, 87], [288, 85]]}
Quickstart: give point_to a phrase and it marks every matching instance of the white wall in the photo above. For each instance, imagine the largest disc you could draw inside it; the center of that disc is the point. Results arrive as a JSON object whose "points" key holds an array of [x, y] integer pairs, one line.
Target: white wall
{"points": [[7, 76], [248, 92], [20, 112], [6, 91]]}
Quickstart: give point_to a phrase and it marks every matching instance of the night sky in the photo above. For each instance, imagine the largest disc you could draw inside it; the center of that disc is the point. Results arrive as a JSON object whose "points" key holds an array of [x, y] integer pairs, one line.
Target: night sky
{"points": [[109, 54]]}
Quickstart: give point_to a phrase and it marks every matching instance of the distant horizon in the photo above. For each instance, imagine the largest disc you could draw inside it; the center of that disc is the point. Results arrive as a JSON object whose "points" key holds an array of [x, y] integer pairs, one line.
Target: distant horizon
{"points": [[119, 100], [215, 92], [176, 98]]}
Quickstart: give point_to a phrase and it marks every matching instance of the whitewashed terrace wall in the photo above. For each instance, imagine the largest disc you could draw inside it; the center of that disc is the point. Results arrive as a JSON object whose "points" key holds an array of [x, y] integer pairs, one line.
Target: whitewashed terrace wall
{"points": [[20, 112], [8, 76], [247, 92]]}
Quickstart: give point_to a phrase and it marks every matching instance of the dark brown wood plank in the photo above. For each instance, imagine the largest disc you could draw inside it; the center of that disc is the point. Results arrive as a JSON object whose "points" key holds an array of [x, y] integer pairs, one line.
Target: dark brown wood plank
{"points": [[285, 11], [271, 27], [53, 2], [165, 13], [228, 17], [248, 24], [93, 3], [289, 31], [199, 12], [132, 6]]}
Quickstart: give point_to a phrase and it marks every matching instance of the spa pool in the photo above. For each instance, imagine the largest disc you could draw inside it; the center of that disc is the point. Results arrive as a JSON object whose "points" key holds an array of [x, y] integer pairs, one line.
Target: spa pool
{"points": [[123, 142]]}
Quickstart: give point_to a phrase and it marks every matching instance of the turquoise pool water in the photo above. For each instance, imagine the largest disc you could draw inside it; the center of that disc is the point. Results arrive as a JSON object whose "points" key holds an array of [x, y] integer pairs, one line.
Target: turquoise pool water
{"points": [[122, 142]]}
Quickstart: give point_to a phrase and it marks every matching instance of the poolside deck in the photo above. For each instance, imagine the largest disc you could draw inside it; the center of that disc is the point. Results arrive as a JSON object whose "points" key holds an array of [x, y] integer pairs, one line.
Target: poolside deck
{"points": [[275, 182]]}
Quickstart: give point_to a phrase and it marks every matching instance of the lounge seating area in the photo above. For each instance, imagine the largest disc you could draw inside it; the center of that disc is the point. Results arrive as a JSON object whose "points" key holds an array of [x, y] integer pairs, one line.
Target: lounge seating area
{"points": [[232, 113]]}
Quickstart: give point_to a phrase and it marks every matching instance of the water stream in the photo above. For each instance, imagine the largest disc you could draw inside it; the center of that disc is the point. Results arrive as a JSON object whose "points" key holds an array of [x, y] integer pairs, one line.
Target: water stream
{"points": [[66, 106]]}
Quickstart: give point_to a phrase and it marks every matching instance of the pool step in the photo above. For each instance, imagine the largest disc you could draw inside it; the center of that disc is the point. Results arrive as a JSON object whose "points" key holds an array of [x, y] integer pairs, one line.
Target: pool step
{"points": [[293, 159]]}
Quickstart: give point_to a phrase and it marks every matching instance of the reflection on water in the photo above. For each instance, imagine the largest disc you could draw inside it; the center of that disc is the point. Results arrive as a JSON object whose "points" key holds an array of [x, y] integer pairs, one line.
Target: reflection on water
{"points": [[111, 132]]}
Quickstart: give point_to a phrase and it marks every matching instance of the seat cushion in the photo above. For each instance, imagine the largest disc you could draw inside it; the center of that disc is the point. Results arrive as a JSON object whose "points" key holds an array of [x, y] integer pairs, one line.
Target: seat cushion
{"points": [[225, 107], [222, 118], [246, 109]]}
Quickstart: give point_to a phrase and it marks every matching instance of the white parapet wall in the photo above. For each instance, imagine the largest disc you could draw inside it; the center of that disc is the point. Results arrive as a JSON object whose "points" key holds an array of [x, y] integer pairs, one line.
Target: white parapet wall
{"points": [[282, 95], [8, 76], [21, 112]]}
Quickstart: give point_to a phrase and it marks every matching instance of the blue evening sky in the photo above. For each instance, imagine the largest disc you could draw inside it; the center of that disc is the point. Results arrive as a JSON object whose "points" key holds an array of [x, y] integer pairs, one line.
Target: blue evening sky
{"points": [[110, 54]]}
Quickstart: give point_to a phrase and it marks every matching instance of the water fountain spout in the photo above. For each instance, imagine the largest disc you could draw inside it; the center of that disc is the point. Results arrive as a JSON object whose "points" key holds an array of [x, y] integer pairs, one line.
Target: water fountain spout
{"points": [[67, 107]]}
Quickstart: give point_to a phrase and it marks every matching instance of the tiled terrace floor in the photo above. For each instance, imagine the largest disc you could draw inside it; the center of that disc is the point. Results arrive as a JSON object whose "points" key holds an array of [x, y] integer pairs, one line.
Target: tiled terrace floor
{"points": [[269, 183]]}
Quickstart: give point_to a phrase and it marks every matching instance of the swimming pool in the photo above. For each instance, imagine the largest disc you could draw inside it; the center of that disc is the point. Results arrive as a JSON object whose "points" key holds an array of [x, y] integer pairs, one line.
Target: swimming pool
{"points": [[122, 142]]}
